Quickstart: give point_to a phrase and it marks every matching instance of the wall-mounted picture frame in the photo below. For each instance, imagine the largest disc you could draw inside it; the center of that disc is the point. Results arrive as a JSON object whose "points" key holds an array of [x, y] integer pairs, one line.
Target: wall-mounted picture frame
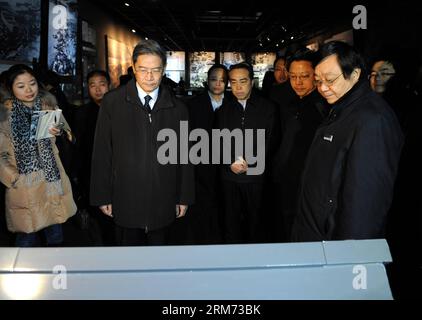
{"points": [[231, 58], [261, 63], [62, 36], [199, 64], [119, 59], [175, 69], [20, 30]]}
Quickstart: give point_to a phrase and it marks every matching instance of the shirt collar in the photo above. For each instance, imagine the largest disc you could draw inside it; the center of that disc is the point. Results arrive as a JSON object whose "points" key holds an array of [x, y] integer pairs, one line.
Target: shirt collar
{"points": [[142, 94], [243, 103], [215, 104]]}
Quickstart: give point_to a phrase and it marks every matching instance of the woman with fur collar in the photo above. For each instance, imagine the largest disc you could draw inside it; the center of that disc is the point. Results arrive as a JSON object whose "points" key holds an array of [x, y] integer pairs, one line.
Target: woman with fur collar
{"points": [[38, 194]]}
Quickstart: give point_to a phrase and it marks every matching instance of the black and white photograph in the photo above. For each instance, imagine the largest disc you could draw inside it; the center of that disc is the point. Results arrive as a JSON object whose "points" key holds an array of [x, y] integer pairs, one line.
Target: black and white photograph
{"points": [[62, 37], [20, 30], [261, 63], [200, 62]]}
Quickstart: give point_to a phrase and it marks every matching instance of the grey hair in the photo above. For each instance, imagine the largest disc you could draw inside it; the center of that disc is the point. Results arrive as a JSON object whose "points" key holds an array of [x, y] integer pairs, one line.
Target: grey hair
{"points": [[149, 47]]}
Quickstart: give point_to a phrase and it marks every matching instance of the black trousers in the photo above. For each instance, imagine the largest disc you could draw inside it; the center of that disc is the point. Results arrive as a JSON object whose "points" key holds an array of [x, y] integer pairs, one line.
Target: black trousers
{"points": [[201, 225], [101, 229], [282, 207], [138, 237], [242, 212]]}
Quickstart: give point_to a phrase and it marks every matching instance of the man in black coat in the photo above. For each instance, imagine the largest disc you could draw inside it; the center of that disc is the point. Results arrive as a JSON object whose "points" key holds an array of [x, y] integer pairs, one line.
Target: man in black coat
{"points": [[128, 180], [301, 118], [85, 120], [281, 92], [348, 179], [243, 181], [204, 215]]}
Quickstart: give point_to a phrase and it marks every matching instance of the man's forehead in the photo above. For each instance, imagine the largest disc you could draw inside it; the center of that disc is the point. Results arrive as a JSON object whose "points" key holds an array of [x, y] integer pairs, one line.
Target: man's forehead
{"points": [[239, 72], [301, 64]]}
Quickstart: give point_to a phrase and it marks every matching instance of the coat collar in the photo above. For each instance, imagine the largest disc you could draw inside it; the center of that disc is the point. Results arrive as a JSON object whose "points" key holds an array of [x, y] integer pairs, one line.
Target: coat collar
{"points": [[252, 101], [164, 101], [48, 102], [344, 105]]}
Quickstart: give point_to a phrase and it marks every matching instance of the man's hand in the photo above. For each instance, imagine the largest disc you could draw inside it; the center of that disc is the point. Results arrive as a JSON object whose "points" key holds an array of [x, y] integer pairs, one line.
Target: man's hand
{"points": [[239, 166], [181, 210], [107, 210]]}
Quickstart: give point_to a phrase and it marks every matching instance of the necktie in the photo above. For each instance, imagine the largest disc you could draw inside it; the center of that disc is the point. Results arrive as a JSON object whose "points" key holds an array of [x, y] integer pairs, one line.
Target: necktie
{"points": [[146, 104]]}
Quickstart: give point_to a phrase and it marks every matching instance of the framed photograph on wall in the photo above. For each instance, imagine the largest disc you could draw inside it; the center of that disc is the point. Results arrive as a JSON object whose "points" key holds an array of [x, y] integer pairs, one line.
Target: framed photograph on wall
{"points": [[119, 59], [231, 58], [261, 63], [62, 36], [200, 62], [20, 30], [175, 69]]}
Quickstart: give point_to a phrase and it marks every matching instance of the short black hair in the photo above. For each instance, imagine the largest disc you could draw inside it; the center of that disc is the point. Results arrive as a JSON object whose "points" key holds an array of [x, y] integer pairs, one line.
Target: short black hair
{"points": [[302, 55], [278, 59], [347, 56], [100, 73], [149, 47], [218, 66], [243, 65], [14, 71]]}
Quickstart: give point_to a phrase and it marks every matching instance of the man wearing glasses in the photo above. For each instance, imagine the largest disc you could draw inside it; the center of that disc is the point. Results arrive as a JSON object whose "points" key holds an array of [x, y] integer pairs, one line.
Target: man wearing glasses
{"points": [[300, 119], [127, 181], [348, 178]]}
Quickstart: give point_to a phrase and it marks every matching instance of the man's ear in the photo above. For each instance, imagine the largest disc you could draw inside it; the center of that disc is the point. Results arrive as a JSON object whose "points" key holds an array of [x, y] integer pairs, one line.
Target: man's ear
{"points": [[356, 73]]}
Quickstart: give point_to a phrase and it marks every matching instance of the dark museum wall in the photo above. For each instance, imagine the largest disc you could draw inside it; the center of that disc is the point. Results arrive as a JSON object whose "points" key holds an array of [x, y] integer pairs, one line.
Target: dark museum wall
{"points": [[105, 25]]}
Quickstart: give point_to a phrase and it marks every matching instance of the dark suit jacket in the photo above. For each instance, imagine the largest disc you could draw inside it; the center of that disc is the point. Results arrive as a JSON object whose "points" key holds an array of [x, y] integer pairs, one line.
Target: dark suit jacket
{"points": [[125, 169], [203, 116], [348, 179]]}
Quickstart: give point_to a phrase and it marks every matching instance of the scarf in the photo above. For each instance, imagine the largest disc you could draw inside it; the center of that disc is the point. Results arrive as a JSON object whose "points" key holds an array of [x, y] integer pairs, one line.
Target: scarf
{"points": [[35, 159]]}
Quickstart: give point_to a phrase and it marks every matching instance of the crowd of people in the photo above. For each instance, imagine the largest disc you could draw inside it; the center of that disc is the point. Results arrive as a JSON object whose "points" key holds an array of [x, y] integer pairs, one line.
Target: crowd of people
{"points": [[339, 152]]}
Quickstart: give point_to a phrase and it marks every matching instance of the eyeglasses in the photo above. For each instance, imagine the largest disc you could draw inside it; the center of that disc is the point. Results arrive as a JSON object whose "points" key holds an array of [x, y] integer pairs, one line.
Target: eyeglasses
{"points": [[327, 83], [300, 77], [145, 71]]}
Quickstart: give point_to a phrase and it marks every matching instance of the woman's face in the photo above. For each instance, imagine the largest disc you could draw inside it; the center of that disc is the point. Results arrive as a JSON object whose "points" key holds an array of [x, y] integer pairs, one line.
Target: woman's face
{"points": [[25, 89]]}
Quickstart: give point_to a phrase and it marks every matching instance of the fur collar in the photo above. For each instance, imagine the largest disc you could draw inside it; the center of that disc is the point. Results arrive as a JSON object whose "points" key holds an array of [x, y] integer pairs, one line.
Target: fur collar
{"points": [[48, 101]]}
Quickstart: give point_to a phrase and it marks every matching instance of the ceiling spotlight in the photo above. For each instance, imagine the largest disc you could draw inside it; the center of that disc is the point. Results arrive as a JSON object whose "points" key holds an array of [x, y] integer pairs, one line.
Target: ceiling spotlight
{"points": [[127, 4], [291, 37], [260, 44], [133, 30], [282, 41], [146, 38], [268, 39], [276, 44]]}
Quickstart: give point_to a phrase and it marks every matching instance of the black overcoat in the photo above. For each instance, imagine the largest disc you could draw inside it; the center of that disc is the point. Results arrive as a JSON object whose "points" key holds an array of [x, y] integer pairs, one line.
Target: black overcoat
{"points": [[348, 179], [125, 170]]}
